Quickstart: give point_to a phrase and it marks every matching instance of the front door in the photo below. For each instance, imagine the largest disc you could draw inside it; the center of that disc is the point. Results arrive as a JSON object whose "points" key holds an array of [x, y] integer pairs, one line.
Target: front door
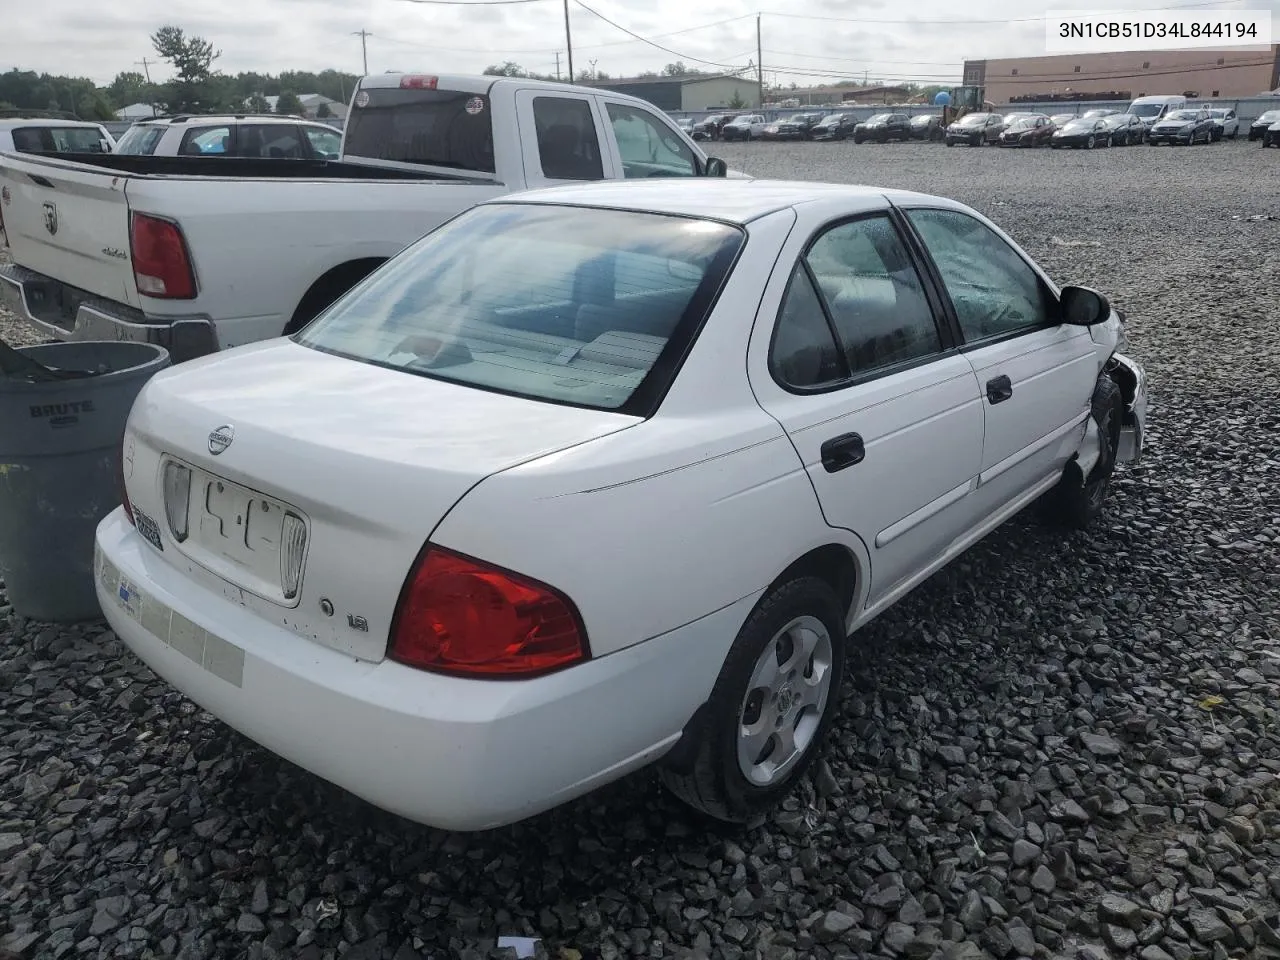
{"points": [[884, 413]]}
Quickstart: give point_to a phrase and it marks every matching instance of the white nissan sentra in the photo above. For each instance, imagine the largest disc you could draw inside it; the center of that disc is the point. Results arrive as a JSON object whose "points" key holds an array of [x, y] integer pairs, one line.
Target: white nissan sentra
{"points": [[600, 476]]}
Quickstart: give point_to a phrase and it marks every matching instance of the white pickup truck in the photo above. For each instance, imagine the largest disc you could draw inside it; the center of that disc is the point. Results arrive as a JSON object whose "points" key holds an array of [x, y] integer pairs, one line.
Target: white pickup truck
{"points": [[200, 254]]}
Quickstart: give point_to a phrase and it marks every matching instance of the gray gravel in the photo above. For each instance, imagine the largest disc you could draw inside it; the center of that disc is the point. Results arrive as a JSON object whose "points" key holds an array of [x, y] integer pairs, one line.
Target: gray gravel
{"points": [[1055, 748]]}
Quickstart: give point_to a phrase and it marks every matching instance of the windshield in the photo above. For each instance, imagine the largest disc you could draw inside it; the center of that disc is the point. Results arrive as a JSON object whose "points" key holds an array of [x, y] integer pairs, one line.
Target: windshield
{"points": [[1146, 109], [1096, 113], [1022, 123], [59, 140], [745, 118], [140, 140], [439, 128], [576, 305], [974, 120], [1217, 113], [1181, 115], [879, 118], [1271, 116]]}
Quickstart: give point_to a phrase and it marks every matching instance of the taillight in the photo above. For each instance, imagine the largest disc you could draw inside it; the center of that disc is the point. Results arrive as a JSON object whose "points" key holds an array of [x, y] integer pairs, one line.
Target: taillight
{"points": [[416, 82], [161, 264], [177, 498], [464, 617], [124, 492]]}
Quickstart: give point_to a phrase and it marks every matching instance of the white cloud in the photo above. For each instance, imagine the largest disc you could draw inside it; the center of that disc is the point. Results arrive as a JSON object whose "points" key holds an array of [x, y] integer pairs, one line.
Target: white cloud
{"points": [[76, 37]]}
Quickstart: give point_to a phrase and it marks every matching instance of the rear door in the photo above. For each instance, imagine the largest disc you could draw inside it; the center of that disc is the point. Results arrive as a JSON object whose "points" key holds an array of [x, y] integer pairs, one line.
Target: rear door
{"points": [[70, 221], [850, 357], [561, 138], [1036, 374]]}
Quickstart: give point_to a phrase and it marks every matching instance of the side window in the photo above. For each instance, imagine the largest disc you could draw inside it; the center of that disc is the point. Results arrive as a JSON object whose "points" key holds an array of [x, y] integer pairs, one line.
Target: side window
{"points": [[994, 291], [649, 148], [874, 295], [804, 352], [326, 144], [277, 141], [567, 142], [206, 140]]}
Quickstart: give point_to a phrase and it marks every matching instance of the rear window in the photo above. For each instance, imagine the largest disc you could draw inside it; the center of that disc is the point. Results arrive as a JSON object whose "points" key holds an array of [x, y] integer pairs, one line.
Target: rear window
{"points": [[140, 141], [582, 306], [58, 140], [439, 128]]}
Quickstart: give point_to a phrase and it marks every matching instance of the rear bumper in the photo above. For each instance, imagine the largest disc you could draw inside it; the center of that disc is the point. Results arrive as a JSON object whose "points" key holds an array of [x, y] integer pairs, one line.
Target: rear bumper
{"points": [[450, 753], [62, 312]]}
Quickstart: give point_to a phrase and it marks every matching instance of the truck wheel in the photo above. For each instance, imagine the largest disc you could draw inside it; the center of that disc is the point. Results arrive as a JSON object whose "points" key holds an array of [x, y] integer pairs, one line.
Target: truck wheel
{"points": [[770, 708], [328, 289], [1076, 501]]}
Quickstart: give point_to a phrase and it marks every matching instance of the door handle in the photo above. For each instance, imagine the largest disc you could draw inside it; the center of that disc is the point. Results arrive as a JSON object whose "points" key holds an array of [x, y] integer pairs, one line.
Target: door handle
{"points": [[999, 389], [843, 451]]}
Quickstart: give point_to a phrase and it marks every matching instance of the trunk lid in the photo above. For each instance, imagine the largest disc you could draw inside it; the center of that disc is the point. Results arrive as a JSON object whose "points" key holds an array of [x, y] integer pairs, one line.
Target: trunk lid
{"points": [[70, 221], [370, 460]]}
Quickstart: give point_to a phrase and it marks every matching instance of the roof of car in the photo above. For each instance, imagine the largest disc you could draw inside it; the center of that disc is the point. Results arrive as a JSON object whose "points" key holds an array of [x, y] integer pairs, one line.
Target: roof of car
{"points": [[226, 118], [12, 124], [731, 200]]}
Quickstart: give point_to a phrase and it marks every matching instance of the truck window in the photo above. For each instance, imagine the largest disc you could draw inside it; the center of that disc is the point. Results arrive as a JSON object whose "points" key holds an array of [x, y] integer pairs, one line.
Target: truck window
{"points": [[269, 140], [140, 140], [326, 144], [439, 128], [567, 144], [649, 148], [58, 140], [206, 140]]}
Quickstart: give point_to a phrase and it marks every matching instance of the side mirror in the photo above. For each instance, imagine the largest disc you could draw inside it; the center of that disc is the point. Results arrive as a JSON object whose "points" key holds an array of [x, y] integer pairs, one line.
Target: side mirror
{"points": [[716, 167], [1083, 307]]}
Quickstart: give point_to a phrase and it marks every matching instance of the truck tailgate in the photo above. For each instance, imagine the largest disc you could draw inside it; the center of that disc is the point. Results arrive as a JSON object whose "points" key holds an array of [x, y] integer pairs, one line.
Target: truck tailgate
{"points": [[69, 221]]}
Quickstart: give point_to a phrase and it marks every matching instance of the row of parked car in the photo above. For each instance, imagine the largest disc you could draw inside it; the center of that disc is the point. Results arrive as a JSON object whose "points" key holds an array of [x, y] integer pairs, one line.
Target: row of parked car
{"points": [[1095, 128]]}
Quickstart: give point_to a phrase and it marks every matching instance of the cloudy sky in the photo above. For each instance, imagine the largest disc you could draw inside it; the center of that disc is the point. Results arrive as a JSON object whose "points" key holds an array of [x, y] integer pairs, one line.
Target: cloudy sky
{"points": [[804, 40]]}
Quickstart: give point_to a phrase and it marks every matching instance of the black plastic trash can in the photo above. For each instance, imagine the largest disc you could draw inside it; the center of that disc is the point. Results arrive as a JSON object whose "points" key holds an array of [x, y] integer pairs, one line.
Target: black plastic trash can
{"points": [[59, 462]]}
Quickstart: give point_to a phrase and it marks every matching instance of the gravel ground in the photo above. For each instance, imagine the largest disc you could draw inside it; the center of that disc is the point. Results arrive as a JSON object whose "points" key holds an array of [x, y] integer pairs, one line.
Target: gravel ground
{"points": [[1055, 748]]}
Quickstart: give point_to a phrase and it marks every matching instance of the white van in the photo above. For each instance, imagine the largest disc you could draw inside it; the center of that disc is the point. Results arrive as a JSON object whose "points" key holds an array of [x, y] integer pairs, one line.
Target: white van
{"points": [[1150, 110]]}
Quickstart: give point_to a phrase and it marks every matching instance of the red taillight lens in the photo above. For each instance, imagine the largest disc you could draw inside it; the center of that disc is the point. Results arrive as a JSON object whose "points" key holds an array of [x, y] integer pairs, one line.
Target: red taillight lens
{"points": [[124, 493], [161, 264], [464, 617]]}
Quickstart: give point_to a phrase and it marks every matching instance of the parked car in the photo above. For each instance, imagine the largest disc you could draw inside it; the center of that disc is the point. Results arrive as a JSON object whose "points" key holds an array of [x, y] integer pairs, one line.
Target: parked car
{"points": [[1150, 110], [1124, 129], [926, 126], [1082, 133], [200, 253], [791, 403], [1099, 112], [1225, 123], [1271, 137], [709, 128], [834, 126], [1259, 126], [686, 125], [884, 127], [51, 135], [1031, 131], [241, 135], [798, 127], [747, 126], [975, 129], [1062, 119], [1182, 126]]}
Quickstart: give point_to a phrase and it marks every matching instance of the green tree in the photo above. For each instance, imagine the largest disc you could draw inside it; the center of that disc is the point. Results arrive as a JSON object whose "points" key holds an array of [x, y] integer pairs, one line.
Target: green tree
{"points": [[323, 112], [289, 104], [193, 89], [257, 103], [128, 87], [508, 69], [736, 102]]}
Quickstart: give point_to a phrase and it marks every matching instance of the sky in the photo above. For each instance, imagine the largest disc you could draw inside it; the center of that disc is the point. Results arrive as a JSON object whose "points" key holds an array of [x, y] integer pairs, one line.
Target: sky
{"points": [[804, 41]]}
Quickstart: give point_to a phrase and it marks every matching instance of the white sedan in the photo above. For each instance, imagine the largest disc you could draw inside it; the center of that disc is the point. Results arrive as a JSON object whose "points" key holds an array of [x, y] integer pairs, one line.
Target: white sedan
{"points": [[1225, 123], [601, 476]]}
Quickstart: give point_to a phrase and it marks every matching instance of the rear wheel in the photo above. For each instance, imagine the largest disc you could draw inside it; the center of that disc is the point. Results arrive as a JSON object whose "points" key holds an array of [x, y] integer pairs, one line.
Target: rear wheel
{"points": [[770, 708], [1076, 501]]}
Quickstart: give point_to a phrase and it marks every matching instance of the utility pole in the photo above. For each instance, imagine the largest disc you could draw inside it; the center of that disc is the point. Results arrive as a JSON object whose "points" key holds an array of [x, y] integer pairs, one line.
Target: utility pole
{"points": [[557, 64], [759, 62], [593, 69], [146, 66], [568, 41], [364, 46]]}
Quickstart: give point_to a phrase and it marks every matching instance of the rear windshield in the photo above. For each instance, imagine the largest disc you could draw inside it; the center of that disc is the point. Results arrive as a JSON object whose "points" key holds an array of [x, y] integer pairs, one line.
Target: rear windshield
{"points": [[58, 140], [439, 128], [140, 141], [573, 305]]}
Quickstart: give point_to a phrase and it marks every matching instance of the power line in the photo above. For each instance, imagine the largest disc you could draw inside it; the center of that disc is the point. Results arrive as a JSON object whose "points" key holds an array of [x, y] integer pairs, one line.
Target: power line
{"points": [[674, 53], [934, 22]]}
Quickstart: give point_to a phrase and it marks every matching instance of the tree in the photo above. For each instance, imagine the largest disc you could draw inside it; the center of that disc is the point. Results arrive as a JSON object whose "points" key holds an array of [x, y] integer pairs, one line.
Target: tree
{"points": [[258, 103], [323, 112], [507, 69], [129, 87], [736, 102], [289, 104], [193, 90]]}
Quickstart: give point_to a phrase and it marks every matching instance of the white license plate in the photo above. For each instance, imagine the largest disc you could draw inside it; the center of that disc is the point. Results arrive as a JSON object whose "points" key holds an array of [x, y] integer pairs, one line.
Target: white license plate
{"points": [[240, 526]]}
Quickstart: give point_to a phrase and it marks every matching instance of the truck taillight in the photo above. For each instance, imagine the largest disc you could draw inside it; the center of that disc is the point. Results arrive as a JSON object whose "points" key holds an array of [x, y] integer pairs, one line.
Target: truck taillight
{"points": [[412, 82], [464, 617], [161, 263]]}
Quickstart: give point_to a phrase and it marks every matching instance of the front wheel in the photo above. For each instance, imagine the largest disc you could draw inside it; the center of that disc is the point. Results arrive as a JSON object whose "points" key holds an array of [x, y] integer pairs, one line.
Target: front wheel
{"points": [[1076, 501], [1090, 143], [770, 708]]}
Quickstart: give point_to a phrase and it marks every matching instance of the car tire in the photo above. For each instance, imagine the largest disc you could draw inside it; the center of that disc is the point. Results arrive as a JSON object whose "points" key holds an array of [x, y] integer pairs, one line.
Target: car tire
{"points": [[1077, 501], [1091, 142], [709, 771]]}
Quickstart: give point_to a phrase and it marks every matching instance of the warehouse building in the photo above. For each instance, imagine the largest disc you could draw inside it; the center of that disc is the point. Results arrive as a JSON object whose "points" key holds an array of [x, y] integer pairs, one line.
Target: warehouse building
{"points": [[1122, 76], [687, 93]]}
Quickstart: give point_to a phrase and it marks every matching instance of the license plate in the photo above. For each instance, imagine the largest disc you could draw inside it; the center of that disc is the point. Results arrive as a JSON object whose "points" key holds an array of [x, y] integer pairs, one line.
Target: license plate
{"points": [[239, 527], [149, 529]]}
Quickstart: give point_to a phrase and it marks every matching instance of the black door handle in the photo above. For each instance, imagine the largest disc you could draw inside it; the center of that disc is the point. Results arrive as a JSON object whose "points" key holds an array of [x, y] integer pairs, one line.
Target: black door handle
{"points": [[999, 389], [843, 451]]}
